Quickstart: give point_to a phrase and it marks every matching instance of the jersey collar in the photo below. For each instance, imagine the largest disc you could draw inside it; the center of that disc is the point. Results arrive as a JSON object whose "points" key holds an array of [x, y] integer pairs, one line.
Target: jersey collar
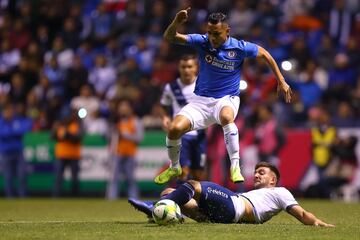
{"points": [[226, 43]]}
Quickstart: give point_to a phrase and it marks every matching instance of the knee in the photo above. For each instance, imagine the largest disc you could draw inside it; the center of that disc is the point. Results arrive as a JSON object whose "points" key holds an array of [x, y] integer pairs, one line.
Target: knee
{"points": [[166, 191], [226, 116], [176, 130], [196, 185], [226, 119]]}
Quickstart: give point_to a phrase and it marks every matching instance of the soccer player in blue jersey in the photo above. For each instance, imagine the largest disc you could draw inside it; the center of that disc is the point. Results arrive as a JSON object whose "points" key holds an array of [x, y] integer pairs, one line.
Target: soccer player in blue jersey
{"points": [[217, 88], [209, 202], [175, 96]]}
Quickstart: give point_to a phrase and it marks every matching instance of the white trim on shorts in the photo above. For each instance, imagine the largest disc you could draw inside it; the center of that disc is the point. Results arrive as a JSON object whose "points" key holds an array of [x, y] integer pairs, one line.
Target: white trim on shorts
{"points": [[239, 206]]}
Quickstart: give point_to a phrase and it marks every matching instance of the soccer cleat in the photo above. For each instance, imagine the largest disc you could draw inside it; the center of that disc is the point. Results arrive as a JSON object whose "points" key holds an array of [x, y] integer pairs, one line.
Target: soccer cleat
{"points": [[168, 174], [236, 176], [142, 206]]}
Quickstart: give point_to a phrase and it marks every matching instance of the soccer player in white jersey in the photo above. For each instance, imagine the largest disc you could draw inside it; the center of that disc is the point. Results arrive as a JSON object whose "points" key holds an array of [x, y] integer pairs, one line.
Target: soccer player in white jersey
{"points": [[217, 88], [176, 95], [209, 202]]}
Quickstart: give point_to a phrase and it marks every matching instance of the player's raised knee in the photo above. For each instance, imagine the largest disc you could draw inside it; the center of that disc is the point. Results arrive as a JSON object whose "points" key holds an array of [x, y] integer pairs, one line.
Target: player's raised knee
{"points": [[177, 129], [226, 116], [166, 191], [196, 185]]}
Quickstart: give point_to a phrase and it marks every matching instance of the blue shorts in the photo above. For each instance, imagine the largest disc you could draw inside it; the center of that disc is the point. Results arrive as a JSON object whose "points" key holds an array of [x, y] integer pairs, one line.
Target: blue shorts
{"points": [[193, 151], [215, 202]]}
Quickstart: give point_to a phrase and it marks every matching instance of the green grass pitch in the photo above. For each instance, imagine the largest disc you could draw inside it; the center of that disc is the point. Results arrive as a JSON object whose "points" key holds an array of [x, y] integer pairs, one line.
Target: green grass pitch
{"points": [[100, 219]]}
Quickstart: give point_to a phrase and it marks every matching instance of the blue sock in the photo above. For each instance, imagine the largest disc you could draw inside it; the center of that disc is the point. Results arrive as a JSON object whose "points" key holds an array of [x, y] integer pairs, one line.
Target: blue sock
{"points": [[182, 194]]}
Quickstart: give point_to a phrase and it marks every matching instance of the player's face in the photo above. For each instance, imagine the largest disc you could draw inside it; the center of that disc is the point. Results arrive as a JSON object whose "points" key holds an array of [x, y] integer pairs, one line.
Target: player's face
{"points": [[187, 70], [218, 33], [264, 178]]}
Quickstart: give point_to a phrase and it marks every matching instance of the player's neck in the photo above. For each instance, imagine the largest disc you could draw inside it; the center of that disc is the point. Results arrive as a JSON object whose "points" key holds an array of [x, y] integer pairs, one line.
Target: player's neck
{"points": [[187, 82]]}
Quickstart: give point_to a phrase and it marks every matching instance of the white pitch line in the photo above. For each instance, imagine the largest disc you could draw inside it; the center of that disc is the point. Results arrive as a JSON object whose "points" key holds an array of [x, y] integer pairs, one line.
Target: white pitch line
{"points": [[32, 222]]}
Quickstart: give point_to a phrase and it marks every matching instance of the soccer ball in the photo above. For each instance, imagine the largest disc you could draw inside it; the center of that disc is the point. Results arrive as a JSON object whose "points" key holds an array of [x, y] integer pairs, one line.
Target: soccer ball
{"points": [[166, 212]]}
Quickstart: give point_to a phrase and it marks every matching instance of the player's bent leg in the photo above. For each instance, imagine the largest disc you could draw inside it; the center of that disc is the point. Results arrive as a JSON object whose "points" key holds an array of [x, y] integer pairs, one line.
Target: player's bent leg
{"points": [[216, 201], [190, 209], [178, 127], [231, 137]]}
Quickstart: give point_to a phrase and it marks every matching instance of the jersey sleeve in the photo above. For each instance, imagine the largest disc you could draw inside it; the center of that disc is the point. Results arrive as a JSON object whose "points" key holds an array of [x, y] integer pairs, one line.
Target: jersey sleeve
{"points": [[195, 40], [251, 49], [285, 199], [166, 98]]}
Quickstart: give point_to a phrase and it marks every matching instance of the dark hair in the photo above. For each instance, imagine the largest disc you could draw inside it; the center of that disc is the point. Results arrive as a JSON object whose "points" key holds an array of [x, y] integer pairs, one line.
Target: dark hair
{"points": [[271, 167], [215, 18], [186, 57]]}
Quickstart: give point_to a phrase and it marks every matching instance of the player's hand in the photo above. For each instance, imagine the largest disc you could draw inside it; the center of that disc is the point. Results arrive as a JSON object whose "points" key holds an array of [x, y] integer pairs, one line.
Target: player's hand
{"points": [[166, 123], [182, 16], [320, 223], [285, 89]]}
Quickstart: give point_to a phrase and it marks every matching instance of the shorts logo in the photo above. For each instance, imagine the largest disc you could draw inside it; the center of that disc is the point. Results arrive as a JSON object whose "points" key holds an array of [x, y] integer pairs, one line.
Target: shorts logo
{"points": [[231, 54], [208, 58], [217, 192]]}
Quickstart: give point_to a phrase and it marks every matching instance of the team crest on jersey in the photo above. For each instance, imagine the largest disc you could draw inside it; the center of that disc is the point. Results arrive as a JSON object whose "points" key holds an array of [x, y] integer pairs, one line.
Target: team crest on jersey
{"points": [[231, 54], [208, 58]]}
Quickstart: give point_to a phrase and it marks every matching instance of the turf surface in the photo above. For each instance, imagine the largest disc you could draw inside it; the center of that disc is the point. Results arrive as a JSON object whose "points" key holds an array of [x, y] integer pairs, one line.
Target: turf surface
{"points": [[100, 219]]}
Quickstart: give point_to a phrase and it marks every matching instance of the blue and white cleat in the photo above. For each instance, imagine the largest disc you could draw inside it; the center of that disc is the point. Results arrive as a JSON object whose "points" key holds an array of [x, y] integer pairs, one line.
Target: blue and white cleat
{"points": [[142, 206]]}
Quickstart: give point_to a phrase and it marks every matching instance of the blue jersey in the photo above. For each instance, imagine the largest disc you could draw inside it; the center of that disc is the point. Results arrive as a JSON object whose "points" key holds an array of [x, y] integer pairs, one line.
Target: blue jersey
{"points": [[220, 68]]}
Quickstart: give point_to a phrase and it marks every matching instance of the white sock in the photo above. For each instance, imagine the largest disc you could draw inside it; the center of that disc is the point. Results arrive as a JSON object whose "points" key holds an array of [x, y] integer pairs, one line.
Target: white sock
{"points": [[231, 137], [173, 149]]}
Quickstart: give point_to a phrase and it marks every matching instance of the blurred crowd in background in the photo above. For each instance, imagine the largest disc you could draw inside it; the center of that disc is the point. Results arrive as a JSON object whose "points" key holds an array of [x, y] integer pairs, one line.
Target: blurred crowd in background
{"points": [[61, 56]]}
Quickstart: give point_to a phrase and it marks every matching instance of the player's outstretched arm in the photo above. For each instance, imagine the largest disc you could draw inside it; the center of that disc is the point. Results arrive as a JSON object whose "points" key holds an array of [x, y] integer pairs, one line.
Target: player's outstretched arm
{"points": [[171, 34], [282, 85], [307, 218]]}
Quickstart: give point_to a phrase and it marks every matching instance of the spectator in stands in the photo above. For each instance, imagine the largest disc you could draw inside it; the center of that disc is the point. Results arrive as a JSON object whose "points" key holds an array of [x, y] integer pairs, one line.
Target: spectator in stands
{"points": [[153, 120], [339, 23], [56, 75], [9, 57], [18, 89], [94, 123], [123, 89], [309, 90], [87, 99], [62, 53], [12, 159], [102, 76], [142, 54], [344, 116], [70, 33], [101, 24], [19, 36], [68, 134], [76, 76], [42, 38], [326, 52], [128, 136], [269, 136], [241, 18], [87, 54], [323, 138]]}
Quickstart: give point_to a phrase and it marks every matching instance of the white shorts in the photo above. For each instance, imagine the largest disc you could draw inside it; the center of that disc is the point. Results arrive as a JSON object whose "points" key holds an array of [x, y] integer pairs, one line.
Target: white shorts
{"points": [[205, 111]]}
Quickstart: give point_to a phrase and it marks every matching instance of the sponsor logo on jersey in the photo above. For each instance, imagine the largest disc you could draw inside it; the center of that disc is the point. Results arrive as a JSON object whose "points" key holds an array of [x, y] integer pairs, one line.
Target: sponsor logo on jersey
{"points": [[227, 65], [231, 54], [208, 58]]}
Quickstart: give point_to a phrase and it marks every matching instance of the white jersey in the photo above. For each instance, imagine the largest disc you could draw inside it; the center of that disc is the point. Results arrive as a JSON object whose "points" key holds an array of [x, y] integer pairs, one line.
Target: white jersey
{"points": [[267, 202], [171, 98], [168, 97]]}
